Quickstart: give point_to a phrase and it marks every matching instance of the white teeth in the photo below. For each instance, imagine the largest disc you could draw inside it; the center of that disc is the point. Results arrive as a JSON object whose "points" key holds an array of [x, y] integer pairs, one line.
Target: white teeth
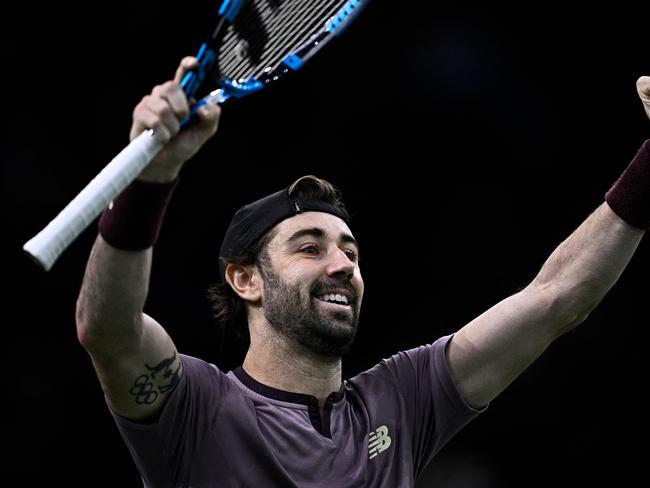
{"points": [[334, 297]]}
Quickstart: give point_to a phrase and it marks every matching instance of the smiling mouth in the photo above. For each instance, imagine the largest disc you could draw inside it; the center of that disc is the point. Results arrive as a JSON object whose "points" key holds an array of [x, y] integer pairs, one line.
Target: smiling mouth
{"points": [[334, 306], [335, 298]]}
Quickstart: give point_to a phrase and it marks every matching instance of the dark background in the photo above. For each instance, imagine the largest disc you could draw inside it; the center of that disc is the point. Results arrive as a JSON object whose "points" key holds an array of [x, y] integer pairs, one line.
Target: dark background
{"points": [[467, 142]]}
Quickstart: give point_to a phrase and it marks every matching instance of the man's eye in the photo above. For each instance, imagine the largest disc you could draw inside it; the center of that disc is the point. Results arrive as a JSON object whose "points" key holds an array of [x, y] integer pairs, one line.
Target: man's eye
{"points": [[352, 255], [313, 250]]}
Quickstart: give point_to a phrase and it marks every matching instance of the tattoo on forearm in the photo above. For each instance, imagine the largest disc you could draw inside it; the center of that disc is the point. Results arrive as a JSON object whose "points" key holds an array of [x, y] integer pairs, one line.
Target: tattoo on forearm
{"points": [[166, 375]]}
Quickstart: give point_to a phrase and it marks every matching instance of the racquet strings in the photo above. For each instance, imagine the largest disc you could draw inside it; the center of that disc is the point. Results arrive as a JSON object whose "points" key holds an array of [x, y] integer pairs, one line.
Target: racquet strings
{"points": [[266, 31]]}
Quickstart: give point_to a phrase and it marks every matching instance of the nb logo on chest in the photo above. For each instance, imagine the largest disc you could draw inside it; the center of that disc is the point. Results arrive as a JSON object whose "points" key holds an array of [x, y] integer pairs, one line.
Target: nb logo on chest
{"points": [[378, 441]]}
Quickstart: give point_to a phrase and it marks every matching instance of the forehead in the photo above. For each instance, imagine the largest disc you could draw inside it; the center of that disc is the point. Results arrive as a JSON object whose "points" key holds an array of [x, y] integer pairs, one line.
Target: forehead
{"points": [[332, 225]]}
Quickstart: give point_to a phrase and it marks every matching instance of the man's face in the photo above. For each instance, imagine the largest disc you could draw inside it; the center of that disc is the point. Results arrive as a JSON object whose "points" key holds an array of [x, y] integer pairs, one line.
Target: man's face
{"points": [[312, 285]]}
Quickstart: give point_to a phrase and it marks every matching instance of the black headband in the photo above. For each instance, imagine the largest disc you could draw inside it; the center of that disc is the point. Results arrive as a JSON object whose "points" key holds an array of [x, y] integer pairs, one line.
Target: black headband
{"points": [[252, 221]]}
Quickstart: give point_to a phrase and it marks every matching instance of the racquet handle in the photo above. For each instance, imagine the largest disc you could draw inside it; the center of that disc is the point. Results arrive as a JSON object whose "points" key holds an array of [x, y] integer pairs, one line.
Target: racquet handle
{"points": [[46, 246]]}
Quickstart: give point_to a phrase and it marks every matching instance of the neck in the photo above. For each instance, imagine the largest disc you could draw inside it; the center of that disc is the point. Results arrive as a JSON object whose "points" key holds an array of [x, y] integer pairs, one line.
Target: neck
{"points": [[274, 362]]}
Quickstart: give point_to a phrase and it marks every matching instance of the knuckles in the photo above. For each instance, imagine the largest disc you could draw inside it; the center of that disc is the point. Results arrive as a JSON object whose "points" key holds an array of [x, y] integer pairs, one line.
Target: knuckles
{"points": [[643, 85]]}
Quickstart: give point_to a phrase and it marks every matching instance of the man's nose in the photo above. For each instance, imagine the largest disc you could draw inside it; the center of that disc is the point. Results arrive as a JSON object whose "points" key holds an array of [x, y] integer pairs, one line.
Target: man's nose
{"points": [[340, 264]]}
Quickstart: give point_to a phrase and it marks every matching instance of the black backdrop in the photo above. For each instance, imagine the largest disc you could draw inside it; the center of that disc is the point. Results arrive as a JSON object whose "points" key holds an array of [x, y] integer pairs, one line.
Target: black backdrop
{"points": [[468, 143]]}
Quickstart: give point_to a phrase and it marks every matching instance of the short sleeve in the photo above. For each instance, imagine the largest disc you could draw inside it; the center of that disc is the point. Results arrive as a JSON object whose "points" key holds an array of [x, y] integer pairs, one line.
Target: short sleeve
{"points": [[432, 408], [164, 450]]}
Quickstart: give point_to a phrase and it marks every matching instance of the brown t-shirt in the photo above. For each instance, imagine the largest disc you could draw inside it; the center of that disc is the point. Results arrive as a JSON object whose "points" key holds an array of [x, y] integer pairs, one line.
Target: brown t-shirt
{"points": [[380, 429]]}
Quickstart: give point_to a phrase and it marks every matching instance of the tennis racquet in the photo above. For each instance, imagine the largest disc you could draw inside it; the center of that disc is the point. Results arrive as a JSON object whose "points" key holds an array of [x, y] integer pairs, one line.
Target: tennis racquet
{"points": [[254, 44]]}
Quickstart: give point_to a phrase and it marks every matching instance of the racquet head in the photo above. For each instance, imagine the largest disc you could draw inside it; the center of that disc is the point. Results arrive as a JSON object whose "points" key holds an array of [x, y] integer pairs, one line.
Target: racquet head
{"points": [[258, 42]]}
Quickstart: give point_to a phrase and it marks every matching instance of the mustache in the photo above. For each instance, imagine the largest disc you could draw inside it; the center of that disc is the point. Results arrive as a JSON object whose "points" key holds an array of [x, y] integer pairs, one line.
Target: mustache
{"points": [[332, 283]]}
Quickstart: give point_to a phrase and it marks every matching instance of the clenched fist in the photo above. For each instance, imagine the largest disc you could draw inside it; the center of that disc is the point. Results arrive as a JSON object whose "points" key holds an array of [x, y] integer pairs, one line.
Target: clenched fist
{"points": [[643, 87]]}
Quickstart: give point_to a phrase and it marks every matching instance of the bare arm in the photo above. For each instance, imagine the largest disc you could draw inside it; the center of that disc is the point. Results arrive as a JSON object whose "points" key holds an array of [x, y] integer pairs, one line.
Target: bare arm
{"points": [[134, 357], [126, 345], [487, 354]]}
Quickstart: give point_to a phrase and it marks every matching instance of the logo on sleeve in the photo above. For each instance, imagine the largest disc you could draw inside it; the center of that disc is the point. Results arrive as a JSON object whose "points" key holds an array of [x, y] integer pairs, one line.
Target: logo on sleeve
{"points": [[378, 441]]}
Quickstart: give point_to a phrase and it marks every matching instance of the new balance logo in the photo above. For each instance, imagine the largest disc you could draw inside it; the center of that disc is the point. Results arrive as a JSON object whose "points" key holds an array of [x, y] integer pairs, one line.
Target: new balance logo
{"points": [[378, 441]]}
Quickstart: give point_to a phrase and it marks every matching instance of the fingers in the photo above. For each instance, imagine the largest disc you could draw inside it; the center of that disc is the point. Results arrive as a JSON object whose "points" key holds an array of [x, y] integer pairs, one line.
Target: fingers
{"points": [[171, 93], [209, 115], [167, 104], [643, 88], [187, 63], [161, 111]]}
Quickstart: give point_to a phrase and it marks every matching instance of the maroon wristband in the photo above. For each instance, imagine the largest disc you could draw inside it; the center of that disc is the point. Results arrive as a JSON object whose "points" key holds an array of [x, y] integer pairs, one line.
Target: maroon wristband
{"points": [[134, 218], [629, 197]]}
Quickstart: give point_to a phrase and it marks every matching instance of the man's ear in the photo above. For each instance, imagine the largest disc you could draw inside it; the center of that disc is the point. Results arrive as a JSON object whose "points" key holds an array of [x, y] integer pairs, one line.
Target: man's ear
{"points": [[245, 281]]}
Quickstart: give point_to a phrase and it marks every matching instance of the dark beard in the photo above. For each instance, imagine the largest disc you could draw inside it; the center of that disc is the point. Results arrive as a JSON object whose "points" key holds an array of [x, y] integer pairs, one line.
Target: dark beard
{"points": [[296, 316]]}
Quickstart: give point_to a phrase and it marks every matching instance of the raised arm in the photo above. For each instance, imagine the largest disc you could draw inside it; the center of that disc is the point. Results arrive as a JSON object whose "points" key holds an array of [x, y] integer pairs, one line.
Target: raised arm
{"points": [[487, 354], [134, 357]]}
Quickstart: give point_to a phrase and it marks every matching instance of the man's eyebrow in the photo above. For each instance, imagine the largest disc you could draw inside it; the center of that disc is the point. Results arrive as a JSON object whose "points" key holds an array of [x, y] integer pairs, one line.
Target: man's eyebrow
{"points": [[349, 239], [320, 233], [311, 231]]}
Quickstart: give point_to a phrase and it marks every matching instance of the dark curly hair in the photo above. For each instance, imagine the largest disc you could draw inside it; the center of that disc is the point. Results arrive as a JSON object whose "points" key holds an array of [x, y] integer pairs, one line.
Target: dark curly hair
{"points": [[227, 306]]}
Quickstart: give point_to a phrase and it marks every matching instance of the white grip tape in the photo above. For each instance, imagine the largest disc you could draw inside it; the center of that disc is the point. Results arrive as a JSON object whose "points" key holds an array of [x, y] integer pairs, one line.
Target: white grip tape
{"points": [[46, 246]]}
